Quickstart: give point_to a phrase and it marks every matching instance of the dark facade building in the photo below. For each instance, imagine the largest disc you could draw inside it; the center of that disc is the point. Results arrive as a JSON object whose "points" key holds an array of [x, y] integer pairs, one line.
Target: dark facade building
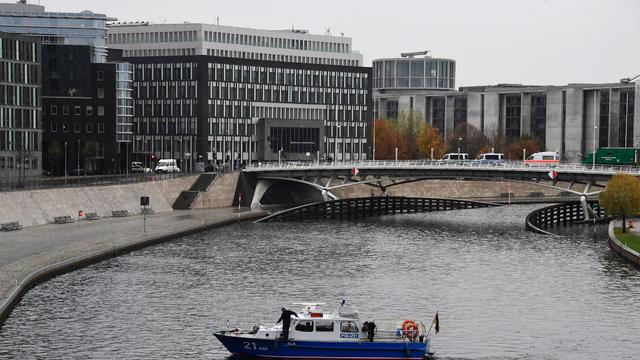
{"points": [[216, 109], [20, 117], [84, 104]]}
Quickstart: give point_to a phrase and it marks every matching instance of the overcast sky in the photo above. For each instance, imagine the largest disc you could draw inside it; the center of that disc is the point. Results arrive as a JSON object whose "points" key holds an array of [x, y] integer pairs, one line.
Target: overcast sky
{"points": [[536, 42]]}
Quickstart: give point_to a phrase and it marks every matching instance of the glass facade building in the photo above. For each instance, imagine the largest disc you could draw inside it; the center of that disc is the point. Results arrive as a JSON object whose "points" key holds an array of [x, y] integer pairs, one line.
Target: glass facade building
{"points": [[20, 111], [414, 73], [84, 28]]}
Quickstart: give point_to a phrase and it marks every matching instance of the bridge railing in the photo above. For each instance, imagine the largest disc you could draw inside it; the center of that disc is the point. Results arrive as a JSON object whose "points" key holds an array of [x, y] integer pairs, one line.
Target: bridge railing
{"points": [[439, 164]]}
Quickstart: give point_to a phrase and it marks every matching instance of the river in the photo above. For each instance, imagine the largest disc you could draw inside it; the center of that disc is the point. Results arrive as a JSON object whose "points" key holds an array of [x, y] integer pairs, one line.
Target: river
{"points": [[501, 292]]}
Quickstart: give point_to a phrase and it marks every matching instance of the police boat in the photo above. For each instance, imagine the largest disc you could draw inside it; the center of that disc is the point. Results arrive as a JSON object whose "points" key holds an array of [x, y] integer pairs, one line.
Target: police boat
{"points": [[339, 334]]}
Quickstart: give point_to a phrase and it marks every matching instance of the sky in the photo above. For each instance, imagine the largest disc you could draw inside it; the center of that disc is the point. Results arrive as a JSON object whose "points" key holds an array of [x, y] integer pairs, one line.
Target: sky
{"points": [[533, 42]]}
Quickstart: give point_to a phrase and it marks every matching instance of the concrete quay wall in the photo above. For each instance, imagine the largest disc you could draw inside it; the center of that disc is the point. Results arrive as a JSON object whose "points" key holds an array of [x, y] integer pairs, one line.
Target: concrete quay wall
{"points": [[39, 207], [617, 246]]}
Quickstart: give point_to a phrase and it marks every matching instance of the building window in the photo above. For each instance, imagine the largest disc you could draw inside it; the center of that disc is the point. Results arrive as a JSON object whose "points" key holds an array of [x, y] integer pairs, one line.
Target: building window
{"points": [[65, 109], [54, 110], [100, 110], [65, 127], [77, 110], [539, 117], [100, 128], [77, 127], [100, 93], [392, 109], [512, 117], [100, 75], [625, 119], [89, 128], [54, 127], [89, 111], [437, 114], [459, 111]]}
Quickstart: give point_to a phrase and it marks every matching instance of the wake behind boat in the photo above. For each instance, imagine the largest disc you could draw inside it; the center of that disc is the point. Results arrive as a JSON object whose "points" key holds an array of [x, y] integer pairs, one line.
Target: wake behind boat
{"points": [[340, 334]]}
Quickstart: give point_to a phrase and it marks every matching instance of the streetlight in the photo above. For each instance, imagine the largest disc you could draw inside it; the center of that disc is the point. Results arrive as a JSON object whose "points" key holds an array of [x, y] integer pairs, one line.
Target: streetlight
{"points": [[279, 152], [65, 163], [396, 154], [459, 140], [335, 152], [593, 154], [524, 155]]}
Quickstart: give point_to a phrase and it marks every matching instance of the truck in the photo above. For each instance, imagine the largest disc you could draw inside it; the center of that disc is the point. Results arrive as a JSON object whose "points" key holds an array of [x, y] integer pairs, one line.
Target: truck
{"points": [[613, 156]]}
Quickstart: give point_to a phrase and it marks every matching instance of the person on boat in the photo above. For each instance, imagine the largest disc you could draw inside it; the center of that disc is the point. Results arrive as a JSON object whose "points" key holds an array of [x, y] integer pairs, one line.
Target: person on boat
{"points": [[371, 330], [286, 322]]}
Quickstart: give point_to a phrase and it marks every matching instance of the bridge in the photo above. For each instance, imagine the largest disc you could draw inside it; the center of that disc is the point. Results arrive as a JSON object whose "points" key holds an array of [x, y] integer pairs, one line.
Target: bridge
{"points": [[324, 178]]}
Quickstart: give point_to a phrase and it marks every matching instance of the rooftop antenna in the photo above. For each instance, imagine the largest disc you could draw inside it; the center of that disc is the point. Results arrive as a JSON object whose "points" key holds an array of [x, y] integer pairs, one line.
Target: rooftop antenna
{"points": [[327, 31], [217, 20], [342, 34]]}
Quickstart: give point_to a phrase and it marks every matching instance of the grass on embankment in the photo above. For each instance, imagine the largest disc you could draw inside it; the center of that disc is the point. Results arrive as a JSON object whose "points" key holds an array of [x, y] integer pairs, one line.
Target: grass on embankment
{"points": [[632, 241]]}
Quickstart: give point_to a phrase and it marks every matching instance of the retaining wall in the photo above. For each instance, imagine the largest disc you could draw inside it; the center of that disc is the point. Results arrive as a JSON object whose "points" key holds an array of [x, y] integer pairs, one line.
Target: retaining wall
{"points": [[220, 194], [619, 247], [39, 207]]}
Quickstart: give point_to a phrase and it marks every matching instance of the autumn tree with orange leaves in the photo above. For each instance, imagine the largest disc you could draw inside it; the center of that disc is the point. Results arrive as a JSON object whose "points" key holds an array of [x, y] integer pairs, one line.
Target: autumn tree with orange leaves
{"points": [[410, 134]]}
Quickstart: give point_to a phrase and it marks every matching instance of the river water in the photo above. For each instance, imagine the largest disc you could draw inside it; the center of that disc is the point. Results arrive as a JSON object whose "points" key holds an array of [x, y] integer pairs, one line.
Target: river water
{"points": [[501, 292]]}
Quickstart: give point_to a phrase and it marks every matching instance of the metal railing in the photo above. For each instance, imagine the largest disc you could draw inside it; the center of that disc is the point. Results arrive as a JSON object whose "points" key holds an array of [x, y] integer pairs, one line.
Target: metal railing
{"points": [[37, 182], [453, 165]]}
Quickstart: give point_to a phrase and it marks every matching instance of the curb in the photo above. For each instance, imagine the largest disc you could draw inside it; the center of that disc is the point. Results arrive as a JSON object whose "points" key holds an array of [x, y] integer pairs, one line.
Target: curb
{"points": [[13, 297], [620, 248]]}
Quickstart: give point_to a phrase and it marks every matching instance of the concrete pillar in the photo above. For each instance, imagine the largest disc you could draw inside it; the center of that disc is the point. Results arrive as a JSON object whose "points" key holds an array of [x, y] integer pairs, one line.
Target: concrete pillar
{"points": [[492, 113], [448, 115], [575, 141], [614, 118], [474, 109], [553, 131]]}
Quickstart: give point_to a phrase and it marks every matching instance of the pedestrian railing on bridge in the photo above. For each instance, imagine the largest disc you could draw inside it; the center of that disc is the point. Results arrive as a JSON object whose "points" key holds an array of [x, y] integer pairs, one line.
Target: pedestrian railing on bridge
{"points": [[438, 164]]}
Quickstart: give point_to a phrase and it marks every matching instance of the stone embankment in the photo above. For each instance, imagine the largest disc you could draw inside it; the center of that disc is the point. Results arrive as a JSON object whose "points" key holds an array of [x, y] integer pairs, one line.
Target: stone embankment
{"points": [[616, 245]]}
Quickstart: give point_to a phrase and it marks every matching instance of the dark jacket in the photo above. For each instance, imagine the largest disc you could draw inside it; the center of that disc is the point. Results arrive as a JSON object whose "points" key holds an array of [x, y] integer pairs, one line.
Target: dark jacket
{"points": [[286, 316]]}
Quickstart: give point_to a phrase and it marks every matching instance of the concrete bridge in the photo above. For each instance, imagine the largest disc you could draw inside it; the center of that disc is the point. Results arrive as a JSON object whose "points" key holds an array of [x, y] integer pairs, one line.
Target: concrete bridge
{"points": [[313, 182]]}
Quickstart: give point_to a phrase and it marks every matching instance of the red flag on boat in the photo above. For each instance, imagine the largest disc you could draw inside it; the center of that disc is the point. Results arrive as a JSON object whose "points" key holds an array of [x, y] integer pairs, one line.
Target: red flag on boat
{"points": [[354, 171], [553, 174]]}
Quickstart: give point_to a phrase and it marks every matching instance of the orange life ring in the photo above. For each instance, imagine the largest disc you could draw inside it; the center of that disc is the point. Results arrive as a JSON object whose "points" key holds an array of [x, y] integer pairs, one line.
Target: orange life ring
{"points": [[410, 329]]}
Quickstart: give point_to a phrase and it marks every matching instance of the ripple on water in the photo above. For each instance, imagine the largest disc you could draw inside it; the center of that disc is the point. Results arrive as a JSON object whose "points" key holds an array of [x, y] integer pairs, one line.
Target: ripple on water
{"points": [[502, 292]]}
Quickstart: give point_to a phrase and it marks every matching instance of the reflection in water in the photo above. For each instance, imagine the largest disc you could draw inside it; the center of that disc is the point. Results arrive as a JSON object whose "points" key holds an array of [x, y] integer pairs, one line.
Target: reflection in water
{"points": [[501, 292]]}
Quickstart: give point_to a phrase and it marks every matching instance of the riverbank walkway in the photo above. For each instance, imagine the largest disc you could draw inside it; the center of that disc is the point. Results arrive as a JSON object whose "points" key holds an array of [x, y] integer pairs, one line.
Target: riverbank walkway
{"points": [[34, 253]]}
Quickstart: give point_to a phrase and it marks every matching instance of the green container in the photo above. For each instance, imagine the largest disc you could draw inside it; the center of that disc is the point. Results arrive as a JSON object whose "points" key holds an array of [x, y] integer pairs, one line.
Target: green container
{"points": [[613, 156]]}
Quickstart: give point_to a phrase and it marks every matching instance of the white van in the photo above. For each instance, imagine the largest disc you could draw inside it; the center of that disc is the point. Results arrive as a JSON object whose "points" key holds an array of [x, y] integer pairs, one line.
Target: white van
{"points": [[167, 166], [490, 158], [453, 158], [544, 158], [450, 157]]}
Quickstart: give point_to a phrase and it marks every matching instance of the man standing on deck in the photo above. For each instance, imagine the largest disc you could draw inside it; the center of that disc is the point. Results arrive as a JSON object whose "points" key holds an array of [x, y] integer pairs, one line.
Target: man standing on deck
{"points": [[286, 322]]}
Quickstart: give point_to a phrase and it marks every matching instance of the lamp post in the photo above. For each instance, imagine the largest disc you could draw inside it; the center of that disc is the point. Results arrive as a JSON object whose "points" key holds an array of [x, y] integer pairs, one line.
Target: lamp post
{"points": [[524, 155], [279, 152], [65, 163], [431, 154], [396, 154], [593, 154], [127, 159], [335, 150], [459, 140]]}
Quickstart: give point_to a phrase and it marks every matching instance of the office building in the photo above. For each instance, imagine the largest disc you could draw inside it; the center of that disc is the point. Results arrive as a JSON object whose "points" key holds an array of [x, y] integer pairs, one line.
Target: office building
{"points": [[144, 39], [83, 28], [235, 111], [87, 111], [20, 118]]}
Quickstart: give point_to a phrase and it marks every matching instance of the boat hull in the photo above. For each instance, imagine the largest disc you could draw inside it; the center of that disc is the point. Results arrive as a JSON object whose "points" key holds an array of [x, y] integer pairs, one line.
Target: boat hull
{"points": [[265, 348]]}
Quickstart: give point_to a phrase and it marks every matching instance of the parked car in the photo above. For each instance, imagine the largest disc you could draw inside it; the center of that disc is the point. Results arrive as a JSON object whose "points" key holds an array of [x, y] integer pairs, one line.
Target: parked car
{"points": [[138, 167], [167, 166], [490, 158]]}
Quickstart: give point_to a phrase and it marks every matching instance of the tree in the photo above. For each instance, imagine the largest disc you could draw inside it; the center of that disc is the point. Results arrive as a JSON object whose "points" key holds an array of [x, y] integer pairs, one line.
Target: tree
{"points": [[53, 153], [385, 136], [473, 140], [621, 197], [430, 138], [514, 151]]}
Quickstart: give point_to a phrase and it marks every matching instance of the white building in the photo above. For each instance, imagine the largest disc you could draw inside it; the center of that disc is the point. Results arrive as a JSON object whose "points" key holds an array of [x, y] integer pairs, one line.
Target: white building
{"points": [[144, 39]]}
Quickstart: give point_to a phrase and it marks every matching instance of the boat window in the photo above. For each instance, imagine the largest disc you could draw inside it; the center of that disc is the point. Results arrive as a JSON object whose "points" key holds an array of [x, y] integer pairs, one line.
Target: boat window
{"points": [[305, 326], [348, 326], [324, 326]]}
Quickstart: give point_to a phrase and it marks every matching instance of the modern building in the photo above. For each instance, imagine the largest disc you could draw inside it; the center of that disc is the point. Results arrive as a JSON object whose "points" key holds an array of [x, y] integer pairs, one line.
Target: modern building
{"points": [[400, 84], [144, 39], [83, 28], [235, 111], [20, 117], [87, 111]]}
